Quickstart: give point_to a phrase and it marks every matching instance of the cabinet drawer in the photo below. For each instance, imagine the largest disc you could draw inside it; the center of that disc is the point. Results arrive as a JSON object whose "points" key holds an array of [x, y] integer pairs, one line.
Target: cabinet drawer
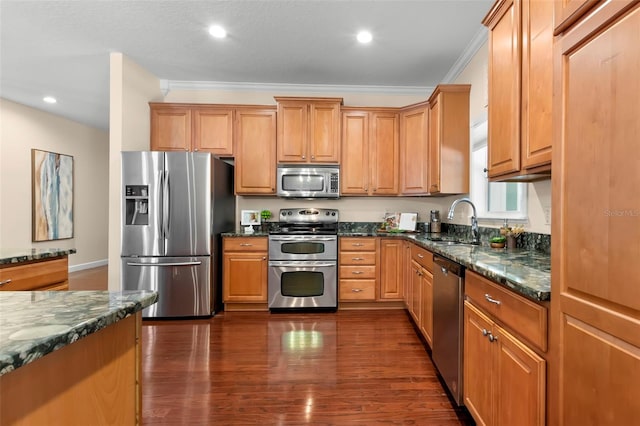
{"points": [[357, 258], [358, 244], [245, 244], [34, 276], [357, 289], [423, 257], [522, 316], [358, 272]]}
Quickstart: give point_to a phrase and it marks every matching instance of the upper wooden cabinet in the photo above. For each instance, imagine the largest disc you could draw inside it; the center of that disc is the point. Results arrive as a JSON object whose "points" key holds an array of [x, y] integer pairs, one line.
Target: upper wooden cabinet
{"points": [[520, 89], [308, 130], [595, 296], [414, 149], [448, 169], [568, 11], [187, 127], [370, 152], [255, 163]]}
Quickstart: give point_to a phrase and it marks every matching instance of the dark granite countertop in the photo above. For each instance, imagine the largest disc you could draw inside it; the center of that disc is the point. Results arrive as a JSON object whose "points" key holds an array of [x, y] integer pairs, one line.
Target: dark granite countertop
{"points": [[36, 323], [15, 256], [524, 271]]}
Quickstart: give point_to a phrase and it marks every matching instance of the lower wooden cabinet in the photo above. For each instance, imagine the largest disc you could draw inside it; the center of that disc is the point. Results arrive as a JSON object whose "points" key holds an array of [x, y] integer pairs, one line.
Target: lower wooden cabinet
{"points": [[504, 380], [426, 320], [244, 270], [48, 274], [391, 268], [358, 269]]}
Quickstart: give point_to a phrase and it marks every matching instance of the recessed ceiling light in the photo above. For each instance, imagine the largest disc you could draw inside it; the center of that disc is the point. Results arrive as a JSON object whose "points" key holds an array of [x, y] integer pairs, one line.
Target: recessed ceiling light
{"points": [[49, 99], [364, 37], [217, 31]]}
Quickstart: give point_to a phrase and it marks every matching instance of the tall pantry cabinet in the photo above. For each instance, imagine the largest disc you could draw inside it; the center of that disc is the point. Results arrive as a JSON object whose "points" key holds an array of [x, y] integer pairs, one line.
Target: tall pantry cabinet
{"points": [[595, 301]]}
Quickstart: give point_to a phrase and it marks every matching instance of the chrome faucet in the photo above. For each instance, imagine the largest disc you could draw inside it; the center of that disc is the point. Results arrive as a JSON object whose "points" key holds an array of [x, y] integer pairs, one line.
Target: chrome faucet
{"points": [[475, 233]]}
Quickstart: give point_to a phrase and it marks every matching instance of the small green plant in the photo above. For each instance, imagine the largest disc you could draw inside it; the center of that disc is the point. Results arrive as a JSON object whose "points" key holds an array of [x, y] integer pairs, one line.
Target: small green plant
{"points": [[498, 240], [265, 214]]}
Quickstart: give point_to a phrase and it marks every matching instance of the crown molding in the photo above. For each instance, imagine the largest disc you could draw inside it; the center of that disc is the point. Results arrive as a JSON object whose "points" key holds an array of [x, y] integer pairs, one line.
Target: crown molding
{"points": [[169, 85], [469, 52]]}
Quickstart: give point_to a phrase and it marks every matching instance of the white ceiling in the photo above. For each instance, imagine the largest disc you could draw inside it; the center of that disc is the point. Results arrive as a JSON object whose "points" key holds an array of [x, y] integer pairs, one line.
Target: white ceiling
{"points": [[61, 48]]}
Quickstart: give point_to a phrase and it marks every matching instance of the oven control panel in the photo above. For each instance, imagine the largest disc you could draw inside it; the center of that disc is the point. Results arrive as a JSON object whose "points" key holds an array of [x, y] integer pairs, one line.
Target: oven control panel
{"points": [[307, 215]]}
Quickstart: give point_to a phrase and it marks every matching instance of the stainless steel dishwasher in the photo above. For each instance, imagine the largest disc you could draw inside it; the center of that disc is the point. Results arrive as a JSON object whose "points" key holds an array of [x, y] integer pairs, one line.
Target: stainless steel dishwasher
{"points": [[448, 295]]}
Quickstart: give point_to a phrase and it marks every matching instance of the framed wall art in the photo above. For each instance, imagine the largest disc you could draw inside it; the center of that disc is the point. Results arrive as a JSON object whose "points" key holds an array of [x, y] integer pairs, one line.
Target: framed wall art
{"points": [[51, 196]]}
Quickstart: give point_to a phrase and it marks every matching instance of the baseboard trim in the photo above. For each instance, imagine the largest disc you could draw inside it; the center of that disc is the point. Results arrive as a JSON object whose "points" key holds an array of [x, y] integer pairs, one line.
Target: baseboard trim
{"points": [[88, 265]]}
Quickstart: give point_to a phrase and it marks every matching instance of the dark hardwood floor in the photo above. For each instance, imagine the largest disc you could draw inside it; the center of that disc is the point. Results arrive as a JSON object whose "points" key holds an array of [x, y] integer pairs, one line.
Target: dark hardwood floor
{"points": [[350, 367], [344, 368]]}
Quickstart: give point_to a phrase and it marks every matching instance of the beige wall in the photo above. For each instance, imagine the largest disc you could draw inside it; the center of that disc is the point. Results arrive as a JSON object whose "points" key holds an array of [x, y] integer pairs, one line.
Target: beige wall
{"points": [[24, 128], [131, 89]]}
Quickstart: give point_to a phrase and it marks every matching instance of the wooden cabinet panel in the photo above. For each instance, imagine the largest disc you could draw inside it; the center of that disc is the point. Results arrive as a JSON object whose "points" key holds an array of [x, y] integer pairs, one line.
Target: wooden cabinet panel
{"points": [[568, 11], [448, 170], [255, 170], [244, 270], [170, 127], [520, 90], [42, 275], [213, 130], [414, 146], [527, 318], [357, 289], [357, 258], [426, 320], [308, 130], [595, 297], [358, 271], [391, 253], [357, 243], [504, 90], [422, 256], [478, 365], [384, 148], [415, 308], [354, 166], [504, 381]]}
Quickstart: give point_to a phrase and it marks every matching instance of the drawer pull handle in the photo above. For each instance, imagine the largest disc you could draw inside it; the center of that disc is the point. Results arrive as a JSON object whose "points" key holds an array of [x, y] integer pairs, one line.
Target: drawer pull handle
{"points": [[420, 256], [485, 332], [357, 244], [356, 290], [492, 338], [245, 244], [492, 300], [357, 272], [7, 281], [358, 258]]}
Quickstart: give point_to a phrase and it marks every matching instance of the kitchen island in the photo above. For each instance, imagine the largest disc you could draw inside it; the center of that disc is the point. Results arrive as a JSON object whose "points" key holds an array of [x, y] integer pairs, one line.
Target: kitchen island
{"points": [[71, 357]]}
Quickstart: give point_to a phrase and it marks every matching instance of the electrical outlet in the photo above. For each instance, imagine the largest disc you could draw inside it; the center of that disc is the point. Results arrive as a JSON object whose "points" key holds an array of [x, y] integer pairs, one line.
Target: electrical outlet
{"points": [[547, 215]]}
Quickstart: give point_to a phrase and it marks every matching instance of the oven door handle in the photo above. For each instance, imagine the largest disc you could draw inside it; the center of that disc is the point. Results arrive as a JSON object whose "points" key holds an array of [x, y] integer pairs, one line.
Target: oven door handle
{"points": [[302, 264], [302, 238]]}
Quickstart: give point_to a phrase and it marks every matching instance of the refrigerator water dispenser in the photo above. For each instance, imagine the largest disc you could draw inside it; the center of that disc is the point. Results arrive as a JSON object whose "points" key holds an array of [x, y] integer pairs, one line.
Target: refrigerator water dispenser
{"points": [[137, 205]]}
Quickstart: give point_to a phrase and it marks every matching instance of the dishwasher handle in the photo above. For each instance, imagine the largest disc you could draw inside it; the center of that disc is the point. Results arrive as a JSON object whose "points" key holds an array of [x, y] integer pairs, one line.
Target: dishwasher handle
{"points": [[448, 265]]}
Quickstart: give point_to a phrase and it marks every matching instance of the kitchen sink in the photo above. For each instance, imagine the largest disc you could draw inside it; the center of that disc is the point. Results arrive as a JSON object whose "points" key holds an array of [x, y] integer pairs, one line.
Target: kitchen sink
{"points": [[453, 243]]}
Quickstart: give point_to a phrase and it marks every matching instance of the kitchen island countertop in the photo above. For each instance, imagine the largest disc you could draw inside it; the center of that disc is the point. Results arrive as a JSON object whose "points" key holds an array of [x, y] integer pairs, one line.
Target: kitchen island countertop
{"points": [[36, 323], [16, 256]]}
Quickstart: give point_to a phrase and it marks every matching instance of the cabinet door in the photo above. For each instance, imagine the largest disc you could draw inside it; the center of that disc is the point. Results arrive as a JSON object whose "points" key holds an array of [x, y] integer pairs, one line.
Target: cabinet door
{"points": [[537, 82], [255, 171], [170, 128], [435, 126], [244, 277], [504, 90], [385, 153], [520, 382], [391, 252], [426, 323], [568, 11], [293, 131], [354, 167], [478, 366], [414, 151], [416, 290], [595, 298], [324, 132], [213, 130], [406, 273]]}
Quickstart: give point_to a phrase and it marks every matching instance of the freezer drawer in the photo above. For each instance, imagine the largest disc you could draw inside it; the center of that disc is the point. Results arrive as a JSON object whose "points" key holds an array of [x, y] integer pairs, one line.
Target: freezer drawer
{"points": [[183, 284]]}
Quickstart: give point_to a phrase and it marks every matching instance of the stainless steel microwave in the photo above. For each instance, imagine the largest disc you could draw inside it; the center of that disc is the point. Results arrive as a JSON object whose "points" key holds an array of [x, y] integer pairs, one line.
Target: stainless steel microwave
{"points": [[308, 181]]}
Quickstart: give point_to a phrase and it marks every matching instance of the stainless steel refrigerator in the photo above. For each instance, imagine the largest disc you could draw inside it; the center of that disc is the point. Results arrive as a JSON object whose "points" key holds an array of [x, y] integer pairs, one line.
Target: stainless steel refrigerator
{"points": [[175, 205]]}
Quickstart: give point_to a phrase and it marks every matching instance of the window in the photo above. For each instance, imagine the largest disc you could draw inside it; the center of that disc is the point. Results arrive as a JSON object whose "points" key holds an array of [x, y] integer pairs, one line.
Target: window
{"points": [[493, 200]]}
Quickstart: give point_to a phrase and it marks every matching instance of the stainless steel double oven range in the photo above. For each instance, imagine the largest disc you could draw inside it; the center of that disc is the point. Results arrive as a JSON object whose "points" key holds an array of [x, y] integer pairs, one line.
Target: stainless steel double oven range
{"points": [[303, 260]]}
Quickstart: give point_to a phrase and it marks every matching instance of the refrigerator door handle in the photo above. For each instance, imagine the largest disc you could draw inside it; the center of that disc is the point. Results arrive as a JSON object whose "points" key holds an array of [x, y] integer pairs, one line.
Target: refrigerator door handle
{"points": [[165, 264], [166, 218], [159, 197]]}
